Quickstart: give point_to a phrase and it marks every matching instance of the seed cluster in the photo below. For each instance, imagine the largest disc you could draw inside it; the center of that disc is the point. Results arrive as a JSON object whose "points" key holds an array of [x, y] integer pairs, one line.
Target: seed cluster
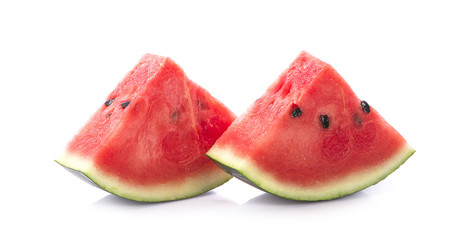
{"points": [[325, 120], [110, 101]]}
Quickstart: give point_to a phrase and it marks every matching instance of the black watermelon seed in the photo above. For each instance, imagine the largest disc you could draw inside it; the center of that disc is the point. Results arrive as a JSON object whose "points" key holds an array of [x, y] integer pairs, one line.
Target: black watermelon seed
{"points": [[125, 104], [357, 119], [109, 114], [296, 112], [108, 102], [202, 104], [175, 115], [325, 121], [365, 106]]}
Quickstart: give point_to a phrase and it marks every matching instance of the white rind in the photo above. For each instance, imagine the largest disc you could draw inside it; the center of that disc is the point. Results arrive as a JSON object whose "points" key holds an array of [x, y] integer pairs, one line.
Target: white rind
{"points": [[335, 189], [156, 193]]}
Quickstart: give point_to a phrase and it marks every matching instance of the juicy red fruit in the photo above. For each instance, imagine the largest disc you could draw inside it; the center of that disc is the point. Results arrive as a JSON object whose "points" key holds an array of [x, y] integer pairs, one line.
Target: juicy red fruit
{"points": [[310, 131], [154, 128]]}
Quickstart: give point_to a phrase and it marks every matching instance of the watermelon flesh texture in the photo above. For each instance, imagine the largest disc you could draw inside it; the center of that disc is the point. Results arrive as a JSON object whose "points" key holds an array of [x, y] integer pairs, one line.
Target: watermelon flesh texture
{"points": [[309, 137], [148, 141]]}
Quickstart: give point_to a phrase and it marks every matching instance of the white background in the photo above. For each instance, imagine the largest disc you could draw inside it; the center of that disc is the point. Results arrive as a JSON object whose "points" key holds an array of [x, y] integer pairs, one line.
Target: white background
{"points": [[59, 60]]}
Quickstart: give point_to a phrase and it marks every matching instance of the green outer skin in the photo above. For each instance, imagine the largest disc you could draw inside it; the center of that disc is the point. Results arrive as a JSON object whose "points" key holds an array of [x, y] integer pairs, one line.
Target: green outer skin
{"points": [[241, 175], [81, 175], [236, 174], [85, 177]]}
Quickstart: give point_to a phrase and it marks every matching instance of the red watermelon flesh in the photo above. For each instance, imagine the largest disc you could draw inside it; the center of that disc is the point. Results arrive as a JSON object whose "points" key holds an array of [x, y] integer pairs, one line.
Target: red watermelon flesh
{"points": [[148, 141], [309, 137]]}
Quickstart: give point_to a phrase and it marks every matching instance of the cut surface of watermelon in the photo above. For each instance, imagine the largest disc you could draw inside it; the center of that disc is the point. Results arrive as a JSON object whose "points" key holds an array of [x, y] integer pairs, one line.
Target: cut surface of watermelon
{"points": [[309, 137], [147, 141]]}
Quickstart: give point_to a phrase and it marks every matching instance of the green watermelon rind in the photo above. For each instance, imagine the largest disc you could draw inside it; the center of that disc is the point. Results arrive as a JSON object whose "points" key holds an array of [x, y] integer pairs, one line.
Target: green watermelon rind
{"points": [[242, 169], [192, 187]]}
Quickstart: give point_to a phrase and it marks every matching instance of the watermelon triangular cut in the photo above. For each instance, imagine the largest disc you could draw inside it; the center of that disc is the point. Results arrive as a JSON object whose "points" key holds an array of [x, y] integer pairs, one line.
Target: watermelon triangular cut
{"points": [[147, 141], [309, 137]]}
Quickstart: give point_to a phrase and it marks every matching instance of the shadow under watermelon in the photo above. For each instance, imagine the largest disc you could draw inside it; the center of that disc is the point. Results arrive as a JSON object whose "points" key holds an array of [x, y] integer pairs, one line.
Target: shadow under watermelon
{"points": [[207, 203], [270, 199]]}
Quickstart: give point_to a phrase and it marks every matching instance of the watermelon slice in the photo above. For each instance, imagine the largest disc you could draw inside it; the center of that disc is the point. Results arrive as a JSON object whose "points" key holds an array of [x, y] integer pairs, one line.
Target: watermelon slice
{"points": [[310, 138], [147, 141]]}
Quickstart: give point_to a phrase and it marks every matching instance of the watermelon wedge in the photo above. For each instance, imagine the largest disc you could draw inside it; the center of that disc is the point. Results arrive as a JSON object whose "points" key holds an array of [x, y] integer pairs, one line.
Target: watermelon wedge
{"points": [[309, 137], [147, 141]]}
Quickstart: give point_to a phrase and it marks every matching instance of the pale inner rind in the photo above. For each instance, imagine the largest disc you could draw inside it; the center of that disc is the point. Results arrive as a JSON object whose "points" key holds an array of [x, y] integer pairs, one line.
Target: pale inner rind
{"points": [[333, 189], [150, 193]]}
